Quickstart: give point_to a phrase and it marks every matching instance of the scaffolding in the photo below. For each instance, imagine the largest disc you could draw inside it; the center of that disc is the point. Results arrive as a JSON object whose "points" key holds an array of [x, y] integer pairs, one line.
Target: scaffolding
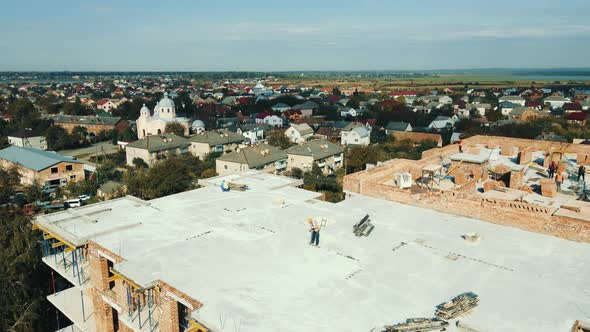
{"points": [[140, 301]]}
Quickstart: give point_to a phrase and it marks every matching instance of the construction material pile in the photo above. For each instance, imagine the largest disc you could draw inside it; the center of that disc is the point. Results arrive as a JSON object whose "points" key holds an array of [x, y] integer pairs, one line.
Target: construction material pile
{"points": [[459, 305], [418, 324], [363, 227]]}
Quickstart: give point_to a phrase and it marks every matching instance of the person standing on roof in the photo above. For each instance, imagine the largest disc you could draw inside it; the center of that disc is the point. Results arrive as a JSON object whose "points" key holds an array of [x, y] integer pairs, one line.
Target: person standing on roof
{"points": [[558, 180], [552, 168], [460, 145], [582, 173], [314, 228]]}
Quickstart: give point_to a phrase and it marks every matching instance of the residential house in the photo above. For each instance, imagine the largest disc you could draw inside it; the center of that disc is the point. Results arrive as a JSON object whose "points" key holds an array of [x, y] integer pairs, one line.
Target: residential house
{"points": [[445, 100], [280, 107], [352, 112], [577, 118], [210, 141], [441, 122], [292, 115], [306, 108], [328, 133], [262, 157], [397, 126], [154, 148], [572, 107], [525, 113], [28, 139], [534, 104], [299, 133], [106, 105], [253, 132], [269, 119], [479, 108], [417, 137], [42, 167], [326, 155], [93, 124], [355, 134], [556, 101], [518, 100], [506, 107]]}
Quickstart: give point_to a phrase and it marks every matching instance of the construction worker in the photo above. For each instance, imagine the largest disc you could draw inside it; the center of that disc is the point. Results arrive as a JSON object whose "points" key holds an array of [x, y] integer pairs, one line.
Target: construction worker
{"points": [[314, 228], [582, 173], [552, 168], [558, 180]]}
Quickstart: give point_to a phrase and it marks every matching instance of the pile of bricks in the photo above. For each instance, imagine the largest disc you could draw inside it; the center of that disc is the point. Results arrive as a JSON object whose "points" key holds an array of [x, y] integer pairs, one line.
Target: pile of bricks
{"points": [[548, 187], [461, 177], [525, 156], [516, 179], [491, 185]]}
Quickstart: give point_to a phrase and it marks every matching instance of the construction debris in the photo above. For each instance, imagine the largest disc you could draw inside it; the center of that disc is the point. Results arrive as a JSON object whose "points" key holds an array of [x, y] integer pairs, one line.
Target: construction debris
{"points": [[459, 305], [363, 227], [418, 325], [237, 186], [571, 208], [471, 237]]}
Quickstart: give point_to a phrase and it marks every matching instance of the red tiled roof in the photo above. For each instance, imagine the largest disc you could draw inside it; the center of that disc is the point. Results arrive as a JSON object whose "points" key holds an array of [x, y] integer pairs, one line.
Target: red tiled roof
{"points": [[573, 106], [403, 93], [577, 116], [102, 102]]}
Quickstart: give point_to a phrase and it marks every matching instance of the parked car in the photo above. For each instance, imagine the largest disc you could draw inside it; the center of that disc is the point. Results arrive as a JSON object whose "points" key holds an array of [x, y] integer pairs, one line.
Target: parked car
{"points": [[84, 197], [76, 202], [49, 189]]}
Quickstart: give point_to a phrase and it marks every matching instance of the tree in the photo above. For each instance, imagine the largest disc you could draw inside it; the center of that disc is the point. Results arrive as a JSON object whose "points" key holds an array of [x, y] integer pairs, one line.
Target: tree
{"points": [[9, 180], [279, 140], [175, 128], [139, 163], [296, 173], [358, 156]]}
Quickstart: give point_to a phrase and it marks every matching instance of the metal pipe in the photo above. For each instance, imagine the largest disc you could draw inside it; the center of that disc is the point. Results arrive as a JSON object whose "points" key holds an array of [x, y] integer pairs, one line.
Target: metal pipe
{"points": [[83, 312], [139, 309], [150, 308]]}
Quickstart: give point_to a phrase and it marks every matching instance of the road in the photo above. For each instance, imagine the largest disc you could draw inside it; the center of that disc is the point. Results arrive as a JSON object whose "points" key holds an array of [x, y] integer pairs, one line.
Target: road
{"points": [[86, 152]]}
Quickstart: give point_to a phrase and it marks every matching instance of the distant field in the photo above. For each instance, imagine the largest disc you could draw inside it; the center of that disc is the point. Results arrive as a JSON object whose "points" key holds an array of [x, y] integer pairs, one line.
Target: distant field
{"points": [[482, 81]]}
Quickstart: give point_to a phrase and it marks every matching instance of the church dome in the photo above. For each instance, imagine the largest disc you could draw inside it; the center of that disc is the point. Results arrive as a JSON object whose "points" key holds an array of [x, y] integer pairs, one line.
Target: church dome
{"points": [[198, 124], [166, 102], [144, 110]]}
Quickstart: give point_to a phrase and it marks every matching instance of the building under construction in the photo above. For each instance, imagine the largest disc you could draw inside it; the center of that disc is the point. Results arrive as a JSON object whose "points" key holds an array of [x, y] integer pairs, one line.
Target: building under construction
{"points": [[240, 261]]}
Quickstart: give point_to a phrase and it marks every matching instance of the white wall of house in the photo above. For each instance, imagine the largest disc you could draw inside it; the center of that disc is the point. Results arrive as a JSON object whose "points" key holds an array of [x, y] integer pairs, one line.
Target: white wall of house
{"points": [[37, 142], [353, 138]]}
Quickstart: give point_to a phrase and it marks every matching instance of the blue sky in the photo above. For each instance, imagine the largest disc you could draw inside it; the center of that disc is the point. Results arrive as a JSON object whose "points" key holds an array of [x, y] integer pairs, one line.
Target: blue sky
{"points": [[292, 35]]}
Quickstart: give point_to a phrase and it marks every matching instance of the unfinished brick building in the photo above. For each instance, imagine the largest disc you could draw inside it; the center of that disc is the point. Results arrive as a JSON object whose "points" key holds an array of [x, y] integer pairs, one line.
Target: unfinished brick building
{"points": [[498, 179], [210, 260]]}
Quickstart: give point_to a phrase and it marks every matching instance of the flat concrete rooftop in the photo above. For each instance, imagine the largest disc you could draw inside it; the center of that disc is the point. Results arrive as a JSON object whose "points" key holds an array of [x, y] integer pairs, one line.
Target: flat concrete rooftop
{"points": [[245, 256]]}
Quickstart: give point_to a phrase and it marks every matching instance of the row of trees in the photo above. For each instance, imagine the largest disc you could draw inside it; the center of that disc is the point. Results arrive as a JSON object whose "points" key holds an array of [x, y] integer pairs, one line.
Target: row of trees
{"points": [[24, 278]]}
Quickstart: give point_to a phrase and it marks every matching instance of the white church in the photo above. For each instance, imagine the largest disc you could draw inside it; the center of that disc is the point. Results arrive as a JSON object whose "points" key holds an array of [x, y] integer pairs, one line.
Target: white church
{"points": [[164, 113]]}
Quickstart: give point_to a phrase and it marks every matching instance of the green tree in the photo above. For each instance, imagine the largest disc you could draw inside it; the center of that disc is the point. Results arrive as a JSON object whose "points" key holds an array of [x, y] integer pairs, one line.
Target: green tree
{"points": [[358, 156], [139, 163], [23, 304], [175, 128], [279, 140], [9, 180]]}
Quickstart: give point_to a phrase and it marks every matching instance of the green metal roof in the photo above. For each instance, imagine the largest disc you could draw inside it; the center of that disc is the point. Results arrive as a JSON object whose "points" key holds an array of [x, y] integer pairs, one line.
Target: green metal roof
{"points": [[255, 156], [217, 137], [160, 143], [34, 159], [318, 149]]}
